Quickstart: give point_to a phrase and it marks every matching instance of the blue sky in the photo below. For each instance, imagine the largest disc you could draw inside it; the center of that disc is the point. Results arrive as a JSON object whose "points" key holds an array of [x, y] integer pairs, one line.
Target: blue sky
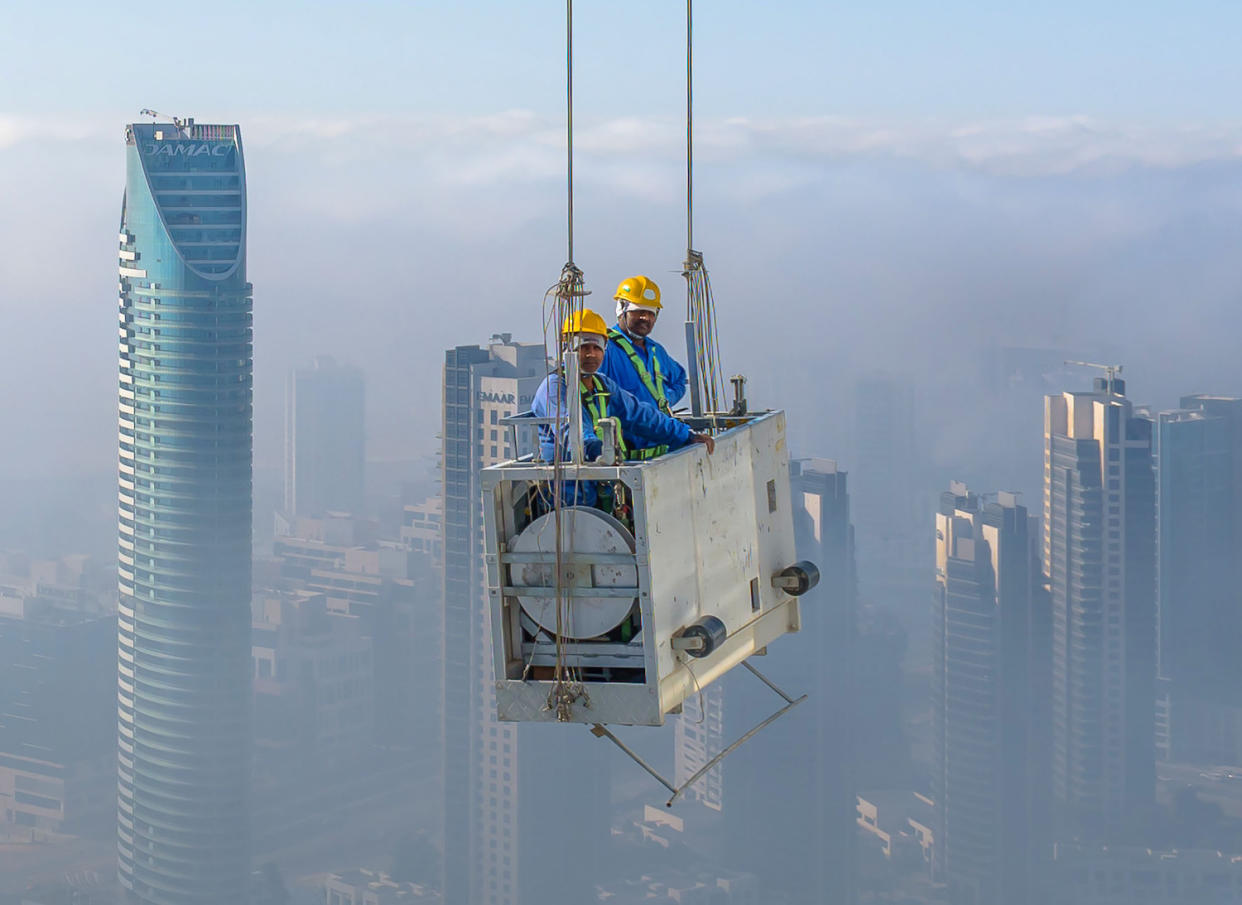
{"points": [[897, 178], [1146, 61]]}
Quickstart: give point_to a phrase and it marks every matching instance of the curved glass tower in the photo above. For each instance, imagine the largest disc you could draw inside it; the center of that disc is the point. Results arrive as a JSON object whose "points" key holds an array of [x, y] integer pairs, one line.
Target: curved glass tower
{"points": [[184, 518]]}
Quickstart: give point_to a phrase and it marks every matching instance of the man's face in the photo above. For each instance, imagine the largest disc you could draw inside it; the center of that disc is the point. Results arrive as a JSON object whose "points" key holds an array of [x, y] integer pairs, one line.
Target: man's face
{"points": [[590, 357], [639, 323]]}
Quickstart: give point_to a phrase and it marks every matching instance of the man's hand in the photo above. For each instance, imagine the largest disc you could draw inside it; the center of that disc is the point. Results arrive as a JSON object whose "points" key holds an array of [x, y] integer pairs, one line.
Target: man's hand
{"points": [[706, 439]]}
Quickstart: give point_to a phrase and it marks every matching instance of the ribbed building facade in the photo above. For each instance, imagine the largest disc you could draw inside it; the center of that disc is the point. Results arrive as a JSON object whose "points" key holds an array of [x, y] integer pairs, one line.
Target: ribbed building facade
{"points": [[989, 702], [184, 518], [1099, 557]]}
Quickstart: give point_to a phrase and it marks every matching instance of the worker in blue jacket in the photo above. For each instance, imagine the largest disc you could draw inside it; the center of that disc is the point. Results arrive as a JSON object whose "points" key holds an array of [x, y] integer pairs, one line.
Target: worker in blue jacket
{"points": [[603, 399], [638, 363]]}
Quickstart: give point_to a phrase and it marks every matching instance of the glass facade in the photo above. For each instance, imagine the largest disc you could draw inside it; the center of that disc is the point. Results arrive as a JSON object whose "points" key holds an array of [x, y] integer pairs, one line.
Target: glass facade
{"points": [[185, 434]]}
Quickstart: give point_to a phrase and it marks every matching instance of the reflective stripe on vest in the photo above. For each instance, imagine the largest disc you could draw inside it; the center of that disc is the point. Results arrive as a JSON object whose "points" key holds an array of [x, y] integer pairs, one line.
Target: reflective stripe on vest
{"points": [[656, 387], [597, 406]]}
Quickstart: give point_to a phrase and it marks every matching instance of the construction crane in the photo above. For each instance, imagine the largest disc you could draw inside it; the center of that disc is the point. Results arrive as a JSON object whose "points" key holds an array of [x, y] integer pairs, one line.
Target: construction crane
{"points": [[181, 124], [1110, 371]]}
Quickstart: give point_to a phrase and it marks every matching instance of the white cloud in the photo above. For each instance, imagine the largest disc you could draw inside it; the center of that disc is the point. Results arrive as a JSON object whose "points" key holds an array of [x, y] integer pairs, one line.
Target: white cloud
{"points": [[519, 144]]}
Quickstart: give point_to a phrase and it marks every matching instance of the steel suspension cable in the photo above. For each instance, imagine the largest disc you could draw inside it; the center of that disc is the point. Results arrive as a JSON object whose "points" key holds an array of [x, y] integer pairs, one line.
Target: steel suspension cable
{"points": [[689, 126], [567, 304], [700, 306]]}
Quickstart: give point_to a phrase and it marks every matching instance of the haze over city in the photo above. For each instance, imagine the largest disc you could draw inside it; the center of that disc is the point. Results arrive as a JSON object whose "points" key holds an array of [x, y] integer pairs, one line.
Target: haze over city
{"points": [[914, 220]]}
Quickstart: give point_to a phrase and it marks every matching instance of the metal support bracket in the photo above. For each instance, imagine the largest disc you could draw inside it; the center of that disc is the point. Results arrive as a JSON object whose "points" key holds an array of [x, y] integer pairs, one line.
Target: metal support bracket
{"points": [[599, 730]]}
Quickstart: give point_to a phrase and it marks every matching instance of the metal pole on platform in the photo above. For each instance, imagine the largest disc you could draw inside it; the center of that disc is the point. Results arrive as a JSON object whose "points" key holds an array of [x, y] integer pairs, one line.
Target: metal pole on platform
{"points": [[692, 367]]}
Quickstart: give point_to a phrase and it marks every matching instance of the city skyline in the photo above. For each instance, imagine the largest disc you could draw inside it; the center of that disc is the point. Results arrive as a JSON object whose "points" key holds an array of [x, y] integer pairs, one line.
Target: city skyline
{"points": [[245, 651]]}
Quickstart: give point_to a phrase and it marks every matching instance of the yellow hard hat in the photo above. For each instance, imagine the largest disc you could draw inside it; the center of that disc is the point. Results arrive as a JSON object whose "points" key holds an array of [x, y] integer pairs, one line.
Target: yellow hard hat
{"points": [[639, 290], [584, 321]]}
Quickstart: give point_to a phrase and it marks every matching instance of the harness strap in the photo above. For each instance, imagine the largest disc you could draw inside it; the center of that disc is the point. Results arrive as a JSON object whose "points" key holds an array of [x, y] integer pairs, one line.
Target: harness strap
{"points": [[596, 402], [654, 387]]}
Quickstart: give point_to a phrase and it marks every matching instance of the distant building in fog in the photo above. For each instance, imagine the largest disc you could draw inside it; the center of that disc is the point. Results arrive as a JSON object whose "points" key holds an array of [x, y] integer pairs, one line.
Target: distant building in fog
{"points": [[1099, 556], [509, 790], [56, 728], [991, 642], [886, 507], [796, 778], [1199, 548], [325, 439], [1122, 875]]}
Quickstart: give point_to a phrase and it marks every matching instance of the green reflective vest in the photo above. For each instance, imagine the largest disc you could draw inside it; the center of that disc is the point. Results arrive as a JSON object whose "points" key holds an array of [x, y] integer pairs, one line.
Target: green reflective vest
{"points": [[654, 385], [596, 402]]}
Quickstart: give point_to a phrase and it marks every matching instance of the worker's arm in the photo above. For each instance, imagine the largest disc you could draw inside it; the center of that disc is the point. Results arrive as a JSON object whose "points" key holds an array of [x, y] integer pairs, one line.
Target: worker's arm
{"points": [[648, 423], [545, 405]]}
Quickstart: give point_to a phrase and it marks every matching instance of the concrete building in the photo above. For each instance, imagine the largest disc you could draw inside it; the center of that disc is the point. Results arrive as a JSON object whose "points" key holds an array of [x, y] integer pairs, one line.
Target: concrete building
{"points": [[1099, 556], [991, 625], [325, 439], [1199, 538], [1122, 875], [422, 529], [314, 682], [504, 788], [57, 770], [186, 381], [367, 887], [377, 584]]}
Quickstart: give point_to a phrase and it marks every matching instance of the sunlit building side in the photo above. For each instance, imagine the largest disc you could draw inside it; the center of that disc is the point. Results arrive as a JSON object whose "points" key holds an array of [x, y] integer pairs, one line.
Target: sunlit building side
{"points": [[990, 641], [184, 517], [1099, 556]]}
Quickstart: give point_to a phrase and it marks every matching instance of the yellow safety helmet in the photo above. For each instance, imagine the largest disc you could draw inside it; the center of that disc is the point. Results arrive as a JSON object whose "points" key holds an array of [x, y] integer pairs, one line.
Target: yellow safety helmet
{"points": [[585, 321], [641, 291]]}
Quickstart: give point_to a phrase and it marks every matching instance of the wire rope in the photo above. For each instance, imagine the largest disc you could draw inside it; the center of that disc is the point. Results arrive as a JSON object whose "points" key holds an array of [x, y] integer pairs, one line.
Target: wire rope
{"points": [[700, 305]]}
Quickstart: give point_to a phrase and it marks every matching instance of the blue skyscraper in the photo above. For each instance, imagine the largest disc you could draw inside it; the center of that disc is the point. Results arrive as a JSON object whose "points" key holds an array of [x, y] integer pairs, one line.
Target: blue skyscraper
{"points": [[184, 520]]}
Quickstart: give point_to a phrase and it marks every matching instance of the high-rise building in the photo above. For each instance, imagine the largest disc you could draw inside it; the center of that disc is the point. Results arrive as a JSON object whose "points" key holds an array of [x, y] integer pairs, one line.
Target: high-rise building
{"points": [[185, 517], [1099, 556], [887, 509], [796, 778], [1199, 538], [515, 801], [325, 439], [990, 630]]}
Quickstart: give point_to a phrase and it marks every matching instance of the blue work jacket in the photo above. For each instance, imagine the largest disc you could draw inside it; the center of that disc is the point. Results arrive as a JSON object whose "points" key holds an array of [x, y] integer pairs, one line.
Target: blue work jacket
{"points": [[637, 418], [618, 367]]}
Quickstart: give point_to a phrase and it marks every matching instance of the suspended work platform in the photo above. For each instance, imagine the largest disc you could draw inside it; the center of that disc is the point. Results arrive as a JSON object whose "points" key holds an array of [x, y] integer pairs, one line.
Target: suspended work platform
{"points": [[692, 572]]}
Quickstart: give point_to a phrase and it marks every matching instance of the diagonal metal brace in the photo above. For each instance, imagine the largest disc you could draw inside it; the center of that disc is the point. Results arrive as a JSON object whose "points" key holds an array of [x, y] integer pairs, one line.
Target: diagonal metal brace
{"points": [[599, 730]]}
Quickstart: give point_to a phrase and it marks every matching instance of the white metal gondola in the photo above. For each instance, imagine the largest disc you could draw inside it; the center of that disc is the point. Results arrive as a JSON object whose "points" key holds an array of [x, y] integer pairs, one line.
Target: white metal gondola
{"points": [[616, 615], [705, 577]]}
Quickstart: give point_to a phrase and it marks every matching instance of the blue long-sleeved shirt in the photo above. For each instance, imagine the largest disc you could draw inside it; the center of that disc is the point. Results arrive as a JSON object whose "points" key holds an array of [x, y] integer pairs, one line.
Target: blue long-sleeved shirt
{"points": [[618, 367], [638, 419]]}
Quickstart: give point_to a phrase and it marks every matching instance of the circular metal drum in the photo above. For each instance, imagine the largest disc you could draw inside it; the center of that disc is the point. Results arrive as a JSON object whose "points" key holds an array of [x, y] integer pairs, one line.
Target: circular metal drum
{"points": [[583, 531]]}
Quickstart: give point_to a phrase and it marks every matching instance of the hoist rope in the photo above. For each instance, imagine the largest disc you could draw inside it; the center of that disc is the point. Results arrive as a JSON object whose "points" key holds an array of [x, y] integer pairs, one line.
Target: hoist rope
{"points": [[689, 126], [567, 295], [700, 306], [569, 129]]}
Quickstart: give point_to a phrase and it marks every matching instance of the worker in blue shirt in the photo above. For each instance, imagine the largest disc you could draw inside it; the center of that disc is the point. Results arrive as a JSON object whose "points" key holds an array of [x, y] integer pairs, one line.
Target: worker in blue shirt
{"points": [[601, 398], [638, 363]]}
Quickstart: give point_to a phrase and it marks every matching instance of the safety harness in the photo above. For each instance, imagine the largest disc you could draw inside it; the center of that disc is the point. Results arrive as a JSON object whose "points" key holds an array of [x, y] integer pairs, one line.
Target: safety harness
{"points": [[654, 386], [596, 402]]}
